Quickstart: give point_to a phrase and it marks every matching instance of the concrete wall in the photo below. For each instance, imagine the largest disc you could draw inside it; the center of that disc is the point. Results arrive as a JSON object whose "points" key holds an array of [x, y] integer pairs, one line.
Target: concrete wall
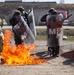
{"points": [[39, 11], [72, 17]]}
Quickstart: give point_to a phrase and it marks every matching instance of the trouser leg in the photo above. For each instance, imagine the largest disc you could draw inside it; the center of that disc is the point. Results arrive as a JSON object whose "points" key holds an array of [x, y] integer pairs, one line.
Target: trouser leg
{"points": [[53, 51], [57, 51], [50, 50]]}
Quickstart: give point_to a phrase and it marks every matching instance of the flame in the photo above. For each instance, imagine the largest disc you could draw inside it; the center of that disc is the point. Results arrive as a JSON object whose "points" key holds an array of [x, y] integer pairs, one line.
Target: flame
{"points": [[18, 55]]}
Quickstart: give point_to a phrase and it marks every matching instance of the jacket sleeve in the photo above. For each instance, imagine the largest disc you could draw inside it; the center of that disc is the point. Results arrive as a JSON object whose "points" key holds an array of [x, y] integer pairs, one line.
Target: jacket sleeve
{"points": [[43, 19], [12, 21]]}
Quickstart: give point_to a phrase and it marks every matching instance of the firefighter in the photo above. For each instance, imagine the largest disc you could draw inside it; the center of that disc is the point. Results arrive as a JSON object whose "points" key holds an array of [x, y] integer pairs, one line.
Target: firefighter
{"points": [[13, 21]]}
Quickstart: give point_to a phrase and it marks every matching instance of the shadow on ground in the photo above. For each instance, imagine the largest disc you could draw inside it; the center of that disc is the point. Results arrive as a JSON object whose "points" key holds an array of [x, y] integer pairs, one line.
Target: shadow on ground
{"points": [[44, 55], [68, 55], [68, 62], [69, 58]]}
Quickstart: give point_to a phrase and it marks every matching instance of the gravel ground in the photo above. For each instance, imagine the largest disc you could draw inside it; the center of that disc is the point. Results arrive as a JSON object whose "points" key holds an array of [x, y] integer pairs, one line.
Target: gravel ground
{"points": [[54, 66]]}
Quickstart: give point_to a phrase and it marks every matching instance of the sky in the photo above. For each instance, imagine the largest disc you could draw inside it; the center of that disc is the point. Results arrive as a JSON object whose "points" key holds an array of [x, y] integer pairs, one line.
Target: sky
{"points": [[65, 1]]}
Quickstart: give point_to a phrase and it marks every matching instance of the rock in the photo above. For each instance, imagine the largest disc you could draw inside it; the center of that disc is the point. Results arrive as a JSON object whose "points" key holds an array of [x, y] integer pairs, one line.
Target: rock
{"points": [[65, 37]]}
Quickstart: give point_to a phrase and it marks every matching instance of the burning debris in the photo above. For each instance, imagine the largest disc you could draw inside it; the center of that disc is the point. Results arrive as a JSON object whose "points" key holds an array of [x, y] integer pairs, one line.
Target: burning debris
{"points": [[18, 55]]}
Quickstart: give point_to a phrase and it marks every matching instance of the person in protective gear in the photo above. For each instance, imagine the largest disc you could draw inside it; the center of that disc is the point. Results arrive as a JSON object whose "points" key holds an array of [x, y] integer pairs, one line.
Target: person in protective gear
{"points": [[24, 14], [22, 32], [54, 23], [54, 31], [13, 21], [43, 19], [21, 9]]}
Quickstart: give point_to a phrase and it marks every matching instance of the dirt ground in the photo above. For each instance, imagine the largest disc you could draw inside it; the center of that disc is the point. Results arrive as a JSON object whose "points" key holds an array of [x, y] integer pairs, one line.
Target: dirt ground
{"points": [[62, 65]]}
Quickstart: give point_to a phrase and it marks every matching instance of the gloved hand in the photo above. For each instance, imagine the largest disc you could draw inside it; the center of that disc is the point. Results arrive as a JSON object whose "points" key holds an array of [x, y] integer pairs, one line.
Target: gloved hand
{"points": [[23, 37]]}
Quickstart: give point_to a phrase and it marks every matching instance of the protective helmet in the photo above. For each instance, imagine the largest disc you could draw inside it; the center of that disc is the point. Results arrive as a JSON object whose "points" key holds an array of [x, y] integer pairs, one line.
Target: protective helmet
{"points": [[20, 8], [54, 12], [50, 10], [17, 12]]}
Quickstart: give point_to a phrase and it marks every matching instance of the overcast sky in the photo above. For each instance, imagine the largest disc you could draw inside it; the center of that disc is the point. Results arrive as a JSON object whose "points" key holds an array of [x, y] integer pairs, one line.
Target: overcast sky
{"points": [[66, 1]]}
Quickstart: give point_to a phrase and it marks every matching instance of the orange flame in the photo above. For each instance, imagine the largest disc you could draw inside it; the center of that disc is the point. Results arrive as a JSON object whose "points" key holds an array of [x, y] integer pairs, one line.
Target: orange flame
{"points": [[18, 55]]}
